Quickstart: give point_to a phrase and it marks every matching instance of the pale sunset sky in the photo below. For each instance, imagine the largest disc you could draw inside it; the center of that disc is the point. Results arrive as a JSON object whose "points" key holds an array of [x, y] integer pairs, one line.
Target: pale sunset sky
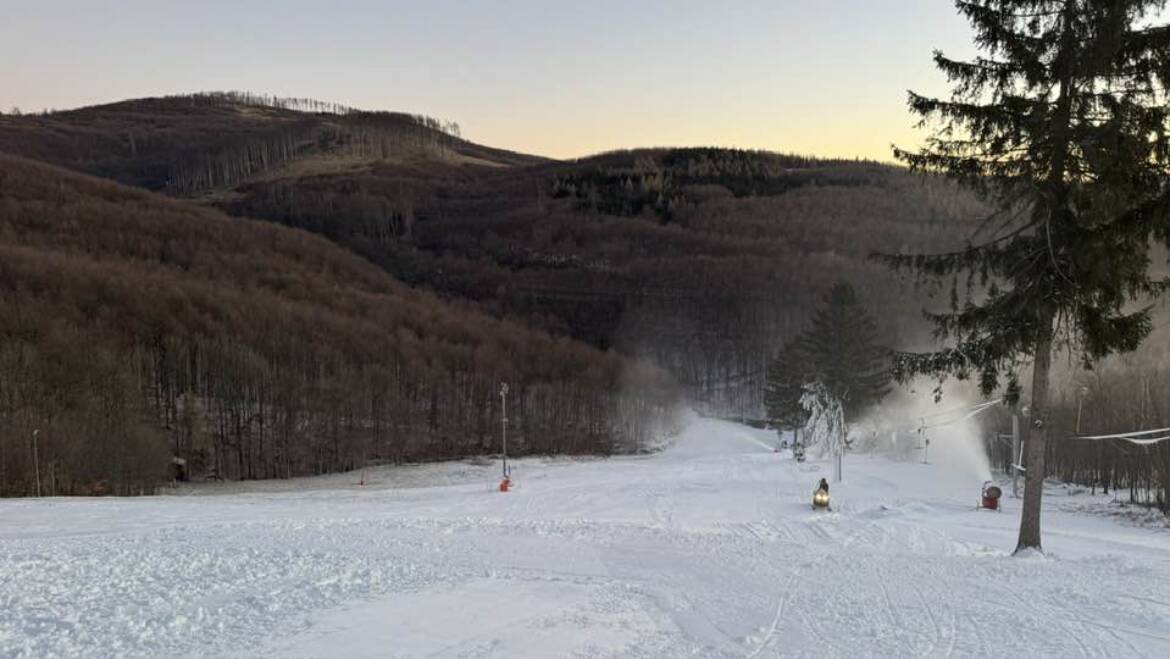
{"points": [[561, 79]]}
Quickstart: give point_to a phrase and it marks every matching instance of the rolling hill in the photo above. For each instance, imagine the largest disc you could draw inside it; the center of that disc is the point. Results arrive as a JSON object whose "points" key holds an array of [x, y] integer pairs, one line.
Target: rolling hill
{"points": [[703, 260], [202, 143], [138, 327]]}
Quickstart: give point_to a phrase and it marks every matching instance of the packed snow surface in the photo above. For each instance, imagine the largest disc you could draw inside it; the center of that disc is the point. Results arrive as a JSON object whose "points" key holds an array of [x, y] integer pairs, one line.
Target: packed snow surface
{"points": [[709, 548]]}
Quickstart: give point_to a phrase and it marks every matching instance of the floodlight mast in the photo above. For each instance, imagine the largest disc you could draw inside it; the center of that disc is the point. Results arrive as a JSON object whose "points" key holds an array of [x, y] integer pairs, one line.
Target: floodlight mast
{"points": [[504, 424], [36, 460]]}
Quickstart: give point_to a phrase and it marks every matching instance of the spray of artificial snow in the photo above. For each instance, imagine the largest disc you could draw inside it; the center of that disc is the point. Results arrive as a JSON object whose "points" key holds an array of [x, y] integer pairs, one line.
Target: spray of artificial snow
{"points": [[906, 419]]}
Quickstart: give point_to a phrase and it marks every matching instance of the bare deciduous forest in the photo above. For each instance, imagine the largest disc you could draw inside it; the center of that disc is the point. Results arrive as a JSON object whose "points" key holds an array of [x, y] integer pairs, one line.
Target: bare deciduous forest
{"points": [[137, 328], [700, 261], [1124, 394]]}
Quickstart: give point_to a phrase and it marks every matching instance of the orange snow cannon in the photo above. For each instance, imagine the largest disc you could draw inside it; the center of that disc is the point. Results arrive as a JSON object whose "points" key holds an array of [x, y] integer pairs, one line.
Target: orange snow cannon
{"points": [[506, 484]]}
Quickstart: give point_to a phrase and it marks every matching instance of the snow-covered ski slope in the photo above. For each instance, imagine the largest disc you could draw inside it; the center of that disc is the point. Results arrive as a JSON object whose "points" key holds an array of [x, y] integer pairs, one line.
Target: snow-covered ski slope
{"points": [[708, 549]]}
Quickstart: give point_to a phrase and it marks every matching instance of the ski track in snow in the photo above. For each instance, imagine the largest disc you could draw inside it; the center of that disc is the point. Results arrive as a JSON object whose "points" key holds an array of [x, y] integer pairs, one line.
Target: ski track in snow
{"points": [[709, 549]]}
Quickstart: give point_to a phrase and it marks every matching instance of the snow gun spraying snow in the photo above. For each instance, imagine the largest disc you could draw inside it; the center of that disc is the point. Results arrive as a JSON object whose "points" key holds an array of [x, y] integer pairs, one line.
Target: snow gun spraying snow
{"points": [[990, 496], [821, 496]]}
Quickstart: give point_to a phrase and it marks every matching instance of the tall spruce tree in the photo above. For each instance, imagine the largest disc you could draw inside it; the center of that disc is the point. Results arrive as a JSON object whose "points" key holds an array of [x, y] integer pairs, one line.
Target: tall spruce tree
{"points": [[843, 350], [788, 372], [1062, 125], [839, 350]]}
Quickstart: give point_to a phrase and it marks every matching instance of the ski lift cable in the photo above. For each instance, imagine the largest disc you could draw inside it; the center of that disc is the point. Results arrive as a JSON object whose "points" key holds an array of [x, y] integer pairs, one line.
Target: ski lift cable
{"points": [[962, 409], [975, 411], [963, 413], [1124, 435], [1147, 441], [971, 412], [967, 413]]}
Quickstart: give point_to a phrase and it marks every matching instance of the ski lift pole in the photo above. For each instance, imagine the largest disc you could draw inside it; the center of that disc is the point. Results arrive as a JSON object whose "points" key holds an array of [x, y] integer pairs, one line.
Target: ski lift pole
{"points": [[925, 441]]}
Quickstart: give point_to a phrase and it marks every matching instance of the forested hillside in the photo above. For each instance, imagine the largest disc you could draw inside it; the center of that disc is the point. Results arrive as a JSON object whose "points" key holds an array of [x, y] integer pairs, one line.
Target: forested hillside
{"points": [[205, 143], [136, 328], [703, 260]]}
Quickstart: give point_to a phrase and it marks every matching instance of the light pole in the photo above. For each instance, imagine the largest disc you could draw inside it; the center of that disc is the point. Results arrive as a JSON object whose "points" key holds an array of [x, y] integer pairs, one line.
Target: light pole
{"points": [[1019, 468], [1082, 392], [1017, 453], [504, 424], [36, 460], [925, 440], [837, 475]]}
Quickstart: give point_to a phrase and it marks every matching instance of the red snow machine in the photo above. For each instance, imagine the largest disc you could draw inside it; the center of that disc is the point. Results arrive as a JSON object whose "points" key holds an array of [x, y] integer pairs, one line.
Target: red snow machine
{"points": [[991, 495]]}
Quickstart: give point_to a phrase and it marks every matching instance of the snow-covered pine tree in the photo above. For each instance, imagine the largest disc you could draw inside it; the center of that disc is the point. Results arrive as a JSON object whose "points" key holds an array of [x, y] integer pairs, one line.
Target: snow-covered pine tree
{"points": [[1063, 125], [825, 428]]}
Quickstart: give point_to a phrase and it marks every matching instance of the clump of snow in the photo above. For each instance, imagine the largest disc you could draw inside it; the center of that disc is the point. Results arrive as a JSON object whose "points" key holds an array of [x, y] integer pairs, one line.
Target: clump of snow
{"points": [[825, 428]]}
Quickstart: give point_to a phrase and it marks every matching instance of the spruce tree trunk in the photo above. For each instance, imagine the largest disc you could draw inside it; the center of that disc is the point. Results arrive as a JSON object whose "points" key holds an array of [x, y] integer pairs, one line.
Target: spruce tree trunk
{"points": [[1038, 428], [1036, 437]]}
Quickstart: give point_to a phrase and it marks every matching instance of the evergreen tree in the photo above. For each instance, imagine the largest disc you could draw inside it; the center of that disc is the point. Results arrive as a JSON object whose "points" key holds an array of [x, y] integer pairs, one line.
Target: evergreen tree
{"points": [[841, 345], [788, 372], [1061, 124]]}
